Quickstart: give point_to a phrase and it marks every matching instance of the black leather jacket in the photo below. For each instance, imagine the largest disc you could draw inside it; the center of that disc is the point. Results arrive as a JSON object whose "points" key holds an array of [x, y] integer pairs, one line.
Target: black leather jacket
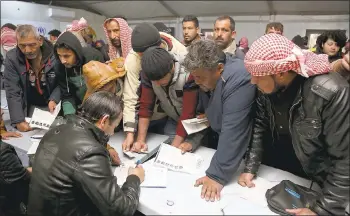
{"points": [[72, 175], [14, 182], [319, 127]]}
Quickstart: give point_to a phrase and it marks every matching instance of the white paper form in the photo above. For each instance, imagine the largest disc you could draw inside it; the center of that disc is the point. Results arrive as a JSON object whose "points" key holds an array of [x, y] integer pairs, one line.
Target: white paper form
{"points": [[44, 119], [171, 158], [33, 147], [195, 125], [155, 177]]}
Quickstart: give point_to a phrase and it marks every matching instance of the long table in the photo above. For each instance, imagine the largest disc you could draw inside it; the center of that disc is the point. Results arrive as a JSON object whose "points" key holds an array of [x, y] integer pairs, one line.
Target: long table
{"points": [[180, 196]]}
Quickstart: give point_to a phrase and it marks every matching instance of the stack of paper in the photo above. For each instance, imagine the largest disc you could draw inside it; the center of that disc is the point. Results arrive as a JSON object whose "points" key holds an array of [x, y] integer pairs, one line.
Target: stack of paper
{"points": [[195, 125], [171, 158], [155, 177], [43, 119]]}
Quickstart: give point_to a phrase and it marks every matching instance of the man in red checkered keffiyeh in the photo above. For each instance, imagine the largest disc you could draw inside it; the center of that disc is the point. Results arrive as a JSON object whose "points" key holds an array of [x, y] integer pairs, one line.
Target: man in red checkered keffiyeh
{"points": [[118, 36], [8, 38], [300, 122], [274, 54]]}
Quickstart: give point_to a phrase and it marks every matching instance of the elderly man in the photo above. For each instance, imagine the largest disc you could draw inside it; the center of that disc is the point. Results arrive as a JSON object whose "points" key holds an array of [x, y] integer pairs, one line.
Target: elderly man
{"points": [[226, 98], [225, 34], [72, 173], [301, 122], [30, 77], [118, 35]]}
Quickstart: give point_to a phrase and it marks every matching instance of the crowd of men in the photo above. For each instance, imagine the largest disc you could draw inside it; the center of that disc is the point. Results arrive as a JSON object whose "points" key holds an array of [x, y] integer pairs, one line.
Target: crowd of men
{"points": [[273, 103]]}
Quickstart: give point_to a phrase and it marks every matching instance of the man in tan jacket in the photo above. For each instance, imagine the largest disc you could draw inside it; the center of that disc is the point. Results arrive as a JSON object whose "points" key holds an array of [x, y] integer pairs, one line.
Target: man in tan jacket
{"points": [[143, 36]]}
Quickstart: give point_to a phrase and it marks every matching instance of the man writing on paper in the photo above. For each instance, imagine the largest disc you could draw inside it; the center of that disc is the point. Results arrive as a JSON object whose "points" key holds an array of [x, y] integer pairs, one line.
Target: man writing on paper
{"points": [[163, 77], [301, 121], [30, 76], [226, 97], [72, 173]]}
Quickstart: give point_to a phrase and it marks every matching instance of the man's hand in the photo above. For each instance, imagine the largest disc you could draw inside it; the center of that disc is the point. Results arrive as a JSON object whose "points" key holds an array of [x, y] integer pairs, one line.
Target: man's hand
{"points": [[245, 180], [138, 171], [345, 62], [7, 135], [29, 169], [185, 147], [210, 189], [139, 146], [114, 156], [52, 106], [129, 140], [23, 126], [301, 211]]}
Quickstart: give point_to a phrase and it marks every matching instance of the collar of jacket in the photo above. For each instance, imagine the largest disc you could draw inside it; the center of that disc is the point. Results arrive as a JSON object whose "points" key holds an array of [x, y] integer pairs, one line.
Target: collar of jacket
{"points": [[231, 48], [99, 135]]}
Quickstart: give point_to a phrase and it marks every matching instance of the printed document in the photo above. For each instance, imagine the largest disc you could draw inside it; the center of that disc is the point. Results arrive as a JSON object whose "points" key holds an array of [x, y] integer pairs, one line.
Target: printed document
{"points": [[171, 158], [195, 125], [43, 119], [155, 177]]}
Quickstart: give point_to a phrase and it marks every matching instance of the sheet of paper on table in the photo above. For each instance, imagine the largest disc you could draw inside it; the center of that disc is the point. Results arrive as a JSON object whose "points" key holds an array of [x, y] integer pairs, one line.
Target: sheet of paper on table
{"points": [[195, 125], [155, 177], [171, 158], [43, 119]]}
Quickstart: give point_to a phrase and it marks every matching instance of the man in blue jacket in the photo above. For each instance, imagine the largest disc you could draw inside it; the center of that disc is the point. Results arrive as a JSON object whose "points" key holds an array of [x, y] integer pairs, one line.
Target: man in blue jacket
{"points": [[226, 97], [29, 76]]}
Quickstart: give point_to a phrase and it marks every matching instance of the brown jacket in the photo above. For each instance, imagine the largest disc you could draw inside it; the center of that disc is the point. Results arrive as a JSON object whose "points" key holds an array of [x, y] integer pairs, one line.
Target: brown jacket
{"points": [[97, 74]]}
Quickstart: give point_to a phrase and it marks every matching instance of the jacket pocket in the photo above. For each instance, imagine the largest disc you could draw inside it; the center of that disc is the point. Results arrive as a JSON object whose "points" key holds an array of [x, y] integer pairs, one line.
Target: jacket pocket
{"points": [[308, 128]]}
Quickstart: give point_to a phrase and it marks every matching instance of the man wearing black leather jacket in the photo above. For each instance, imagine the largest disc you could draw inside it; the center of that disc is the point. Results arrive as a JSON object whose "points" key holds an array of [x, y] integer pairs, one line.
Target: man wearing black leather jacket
{"points": [[72, 170], [305, 118]]}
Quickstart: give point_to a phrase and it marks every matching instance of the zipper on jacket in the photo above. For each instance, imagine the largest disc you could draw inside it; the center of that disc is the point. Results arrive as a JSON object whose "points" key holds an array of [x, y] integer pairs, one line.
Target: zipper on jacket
{"points": [[290, 131], [166, 90]]}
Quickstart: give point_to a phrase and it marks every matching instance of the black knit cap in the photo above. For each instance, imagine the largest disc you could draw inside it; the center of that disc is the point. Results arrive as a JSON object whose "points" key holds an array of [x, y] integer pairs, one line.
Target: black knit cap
{"points": [[144, 36], [156, 63]]}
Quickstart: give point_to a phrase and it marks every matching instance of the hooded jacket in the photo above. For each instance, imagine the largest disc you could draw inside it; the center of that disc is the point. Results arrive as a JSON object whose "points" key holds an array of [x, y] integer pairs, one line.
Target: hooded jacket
{"points": [[70, 80], [17, 83]]}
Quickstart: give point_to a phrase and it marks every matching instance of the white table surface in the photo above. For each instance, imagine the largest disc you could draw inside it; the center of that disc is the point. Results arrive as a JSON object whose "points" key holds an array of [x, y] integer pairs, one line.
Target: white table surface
{"points": [[180, 186]]}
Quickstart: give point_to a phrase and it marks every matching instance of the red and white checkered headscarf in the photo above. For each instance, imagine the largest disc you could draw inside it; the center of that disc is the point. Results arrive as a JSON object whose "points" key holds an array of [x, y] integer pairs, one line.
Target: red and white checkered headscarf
{"points": [[273, 54], [78, 25], [8, 39], [125, 39]]}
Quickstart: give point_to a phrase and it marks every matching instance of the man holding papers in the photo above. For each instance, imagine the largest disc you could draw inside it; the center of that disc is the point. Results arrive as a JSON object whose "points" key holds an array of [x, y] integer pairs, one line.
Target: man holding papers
{"points": [[226, 96], [72, 172], [163, 77]]}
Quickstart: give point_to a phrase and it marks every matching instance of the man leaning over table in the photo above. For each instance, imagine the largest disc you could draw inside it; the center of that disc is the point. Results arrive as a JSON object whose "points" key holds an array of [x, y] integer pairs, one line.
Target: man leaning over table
{"points": [[301, 121], [164, 78], [227, 97], [29, 76], [72, 172]]}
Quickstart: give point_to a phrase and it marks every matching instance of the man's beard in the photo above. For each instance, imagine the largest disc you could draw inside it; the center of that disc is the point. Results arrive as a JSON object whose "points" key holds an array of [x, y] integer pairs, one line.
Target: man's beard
{"points": [[278, 89], [116, 42]]}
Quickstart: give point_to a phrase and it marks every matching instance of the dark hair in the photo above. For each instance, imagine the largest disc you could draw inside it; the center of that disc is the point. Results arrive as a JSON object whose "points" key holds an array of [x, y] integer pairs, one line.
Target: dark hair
{"points": [[54, 33], [10, 26], [298, 40], [190, 18], [276, 25], [226, 17], [204, 54], [100, 104], [156, 63], [337, 35], [62, 45]]}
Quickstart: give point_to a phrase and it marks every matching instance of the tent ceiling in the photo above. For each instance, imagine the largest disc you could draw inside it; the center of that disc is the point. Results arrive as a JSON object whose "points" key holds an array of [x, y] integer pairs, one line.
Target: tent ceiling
{"points": [[134, 10]]}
